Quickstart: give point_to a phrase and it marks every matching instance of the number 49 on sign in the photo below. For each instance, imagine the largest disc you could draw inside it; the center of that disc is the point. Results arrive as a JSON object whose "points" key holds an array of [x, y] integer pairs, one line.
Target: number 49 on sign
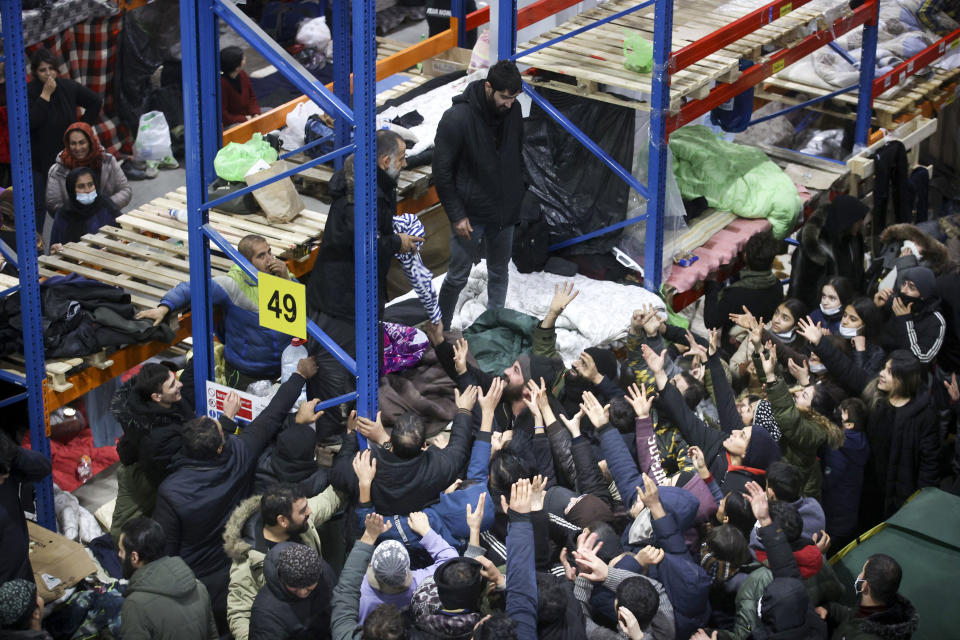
{"points": [[283, 305]]}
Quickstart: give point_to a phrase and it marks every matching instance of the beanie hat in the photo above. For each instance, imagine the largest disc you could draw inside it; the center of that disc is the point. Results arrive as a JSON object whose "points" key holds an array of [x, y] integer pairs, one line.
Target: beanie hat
{"points": [[524, 362], [843, 213], [390, 567], [298, 565], [589, 509], [605, 360], [464, 594], [761, 450], [922, 278], [17, 600], [557, 499]]}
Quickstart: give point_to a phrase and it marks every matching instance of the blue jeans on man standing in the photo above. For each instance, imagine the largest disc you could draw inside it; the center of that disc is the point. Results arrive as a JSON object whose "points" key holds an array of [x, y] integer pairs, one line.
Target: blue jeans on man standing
{"points": [[491, 241]]}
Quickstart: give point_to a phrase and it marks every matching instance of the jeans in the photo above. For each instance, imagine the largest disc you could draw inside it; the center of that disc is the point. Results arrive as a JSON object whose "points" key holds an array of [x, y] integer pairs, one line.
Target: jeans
{"points": [[490, 241]]}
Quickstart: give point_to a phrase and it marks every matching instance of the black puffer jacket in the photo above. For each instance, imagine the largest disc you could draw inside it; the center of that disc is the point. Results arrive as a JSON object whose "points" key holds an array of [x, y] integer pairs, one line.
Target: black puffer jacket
{"points": [[897, 622], [477, 162], [280, 615], [331, 288], [151, 432]]}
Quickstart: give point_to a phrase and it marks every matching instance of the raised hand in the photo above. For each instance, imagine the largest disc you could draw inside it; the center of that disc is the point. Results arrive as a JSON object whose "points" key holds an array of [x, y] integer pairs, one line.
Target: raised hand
{"points": [[460, 350], [374, 527], [531, 399], [491, 399], [953, 389], [714, 340], [538, 491], [880, 297], [419, 522], [307, 413], [587, 368], [521, 495], [307, 367], [591, 407], [628, 624], [649, 555], [649, 494], [231, 405], [563, 294], [365, 466], [812, 332], [490, 572], [372, 430], [758, 502], [745, 319], [655, 361], [800, 372], [589, 565], [475, 516], [352, 421], [822, 540], [639, 400], [768, 358], [468, 398], [568, 569], [696, 349], [699, 463], [572, 424], [499, 439]]}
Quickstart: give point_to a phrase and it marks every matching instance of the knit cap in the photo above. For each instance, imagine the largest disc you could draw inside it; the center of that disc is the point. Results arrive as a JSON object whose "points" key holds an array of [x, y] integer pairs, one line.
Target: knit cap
{"points": [[922, 278], [17, 598], [390, 567], [298, 565], [524, 362], [761, 451]]}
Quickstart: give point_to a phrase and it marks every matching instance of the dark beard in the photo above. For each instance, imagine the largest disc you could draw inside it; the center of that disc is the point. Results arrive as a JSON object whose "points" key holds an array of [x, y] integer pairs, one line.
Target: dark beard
{"points": [[493, 111], [128, 569], [296, 532], [512, 393]]}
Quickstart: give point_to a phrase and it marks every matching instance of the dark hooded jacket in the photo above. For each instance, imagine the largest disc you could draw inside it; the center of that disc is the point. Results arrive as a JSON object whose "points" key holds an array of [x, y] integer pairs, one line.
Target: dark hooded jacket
{"points": [[195, 501], [292, 459], [278, 614], [827, 249], [897, 622], [922, 331], [477, 161], [74, 219], [165, 601], [331, 288], [27, 466], [937, 257]]}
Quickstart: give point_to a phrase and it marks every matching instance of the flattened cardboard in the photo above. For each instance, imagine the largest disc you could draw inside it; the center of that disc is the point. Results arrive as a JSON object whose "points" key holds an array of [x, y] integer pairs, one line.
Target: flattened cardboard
{"points": [[57, 556]]}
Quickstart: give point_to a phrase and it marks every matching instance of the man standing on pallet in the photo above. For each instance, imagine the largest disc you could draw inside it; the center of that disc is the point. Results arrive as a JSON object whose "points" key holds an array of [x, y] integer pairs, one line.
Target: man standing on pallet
{"points": [[251, 352], [479, 173]]}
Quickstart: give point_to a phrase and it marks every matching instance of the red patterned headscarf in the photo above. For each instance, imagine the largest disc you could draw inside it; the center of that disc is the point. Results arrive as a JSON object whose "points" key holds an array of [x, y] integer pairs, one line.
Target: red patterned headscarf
{"points": [[94, 157]]}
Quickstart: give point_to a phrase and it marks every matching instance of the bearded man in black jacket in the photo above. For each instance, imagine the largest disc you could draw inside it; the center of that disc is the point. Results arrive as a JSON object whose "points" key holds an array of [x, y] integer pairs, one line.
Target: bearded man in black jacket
{"points": [[479, 174]]}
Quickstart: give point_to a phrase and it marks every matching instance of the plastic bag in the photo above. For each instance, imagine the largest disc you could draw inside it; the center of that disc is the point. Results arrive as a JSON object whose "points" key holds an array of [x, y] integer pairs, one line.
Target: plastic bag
{"points": [[292, 136], [314, 34], [234, 160], [633, 242], [637, 53], [153, 137]]}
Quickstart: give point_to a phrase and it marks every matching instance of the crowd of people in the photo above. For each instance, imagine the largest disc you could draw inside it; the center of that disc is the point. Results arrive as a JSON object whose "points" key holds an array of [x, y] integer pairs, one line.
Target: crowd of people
{"points": [[684, 486]]}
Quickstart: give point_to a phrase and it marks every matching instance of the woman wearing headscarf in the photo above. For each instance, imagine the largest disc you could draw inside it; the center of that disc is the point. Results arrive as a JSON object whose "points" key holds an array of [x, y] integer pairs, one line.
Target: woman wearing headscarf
{"points": [[85, 211], [53, 105], [81, 148]]}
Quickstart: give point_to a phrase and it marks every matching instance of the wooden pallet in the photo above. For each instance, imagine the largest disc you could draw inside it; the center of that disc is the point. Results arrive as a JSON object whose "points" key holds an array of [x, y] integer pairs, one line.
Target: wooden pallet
{"points": [[889, 109], [8, 282], [594, 59]]}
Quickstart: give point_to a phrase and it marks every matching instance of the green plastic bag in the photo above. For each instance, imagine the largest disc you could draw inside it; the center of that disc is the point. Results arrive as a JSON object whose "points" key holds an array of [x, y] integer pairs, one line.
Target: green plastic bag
{"points": [[637, 53], [235, 160]]}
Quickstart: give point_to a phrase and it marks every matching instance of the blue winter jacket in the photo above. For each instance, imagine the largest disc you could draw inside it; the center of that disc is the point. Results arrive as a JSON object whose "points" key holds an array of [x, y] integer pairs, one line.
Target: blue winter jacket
{"points": [[251, 349], [843, 483], [522, 596], [448, 516]]}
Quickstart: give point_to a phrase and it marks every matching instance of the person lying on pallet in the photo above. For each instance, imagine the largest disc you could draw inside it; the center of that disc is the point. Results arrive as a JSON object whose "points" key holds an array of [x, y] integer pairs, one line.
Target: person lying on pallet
{"points": [[251, 352]]}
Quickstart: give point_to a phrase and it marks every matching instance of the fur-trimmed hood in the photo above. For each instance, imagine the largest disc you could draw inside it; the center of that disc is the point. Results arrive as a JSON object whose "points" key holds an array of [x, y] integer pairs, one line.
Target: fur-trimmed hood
{"points": [[835, 435], [814, 247], [898, 621], [235, 545], [934, 252]]}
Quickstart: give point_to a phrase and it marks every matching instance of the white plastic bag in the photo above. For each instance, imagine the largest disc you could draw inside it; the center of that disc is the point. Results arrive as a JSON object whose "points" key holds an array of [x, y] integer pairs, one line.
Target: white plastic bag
{"points": [[314, 34], [292, 135], [153, 137]]}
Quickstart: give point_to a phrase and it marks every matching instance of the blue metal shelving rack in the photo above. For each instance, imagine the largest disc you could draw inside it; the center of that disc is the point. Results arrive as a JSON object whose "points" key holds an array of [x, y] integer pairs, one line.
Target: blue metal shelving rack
{"points": [[661, 120], [201, 82], [25, 258]]}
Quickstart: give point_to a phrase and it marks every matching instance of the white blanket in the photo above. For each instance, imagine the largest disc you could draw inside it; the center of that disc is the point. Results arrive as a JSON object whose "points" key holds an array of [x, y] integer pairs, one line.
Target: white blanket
{"points": [[599, 316]]}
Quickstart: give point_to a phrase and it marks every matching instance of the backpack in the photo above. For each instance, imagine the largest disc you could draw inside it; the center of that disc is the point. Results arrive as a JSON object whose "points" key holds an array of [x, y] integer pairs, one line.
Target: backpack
{"points": [[313, 130], [531, 241]]}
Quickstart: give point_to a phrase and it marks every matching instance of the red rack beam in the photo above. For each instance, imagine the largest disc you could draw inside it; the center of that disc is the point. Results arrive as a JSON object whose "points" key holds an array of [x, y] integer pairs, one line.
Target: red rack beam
{"points": [[696, 51], [915, 64], [759, 72], [531, 14]]}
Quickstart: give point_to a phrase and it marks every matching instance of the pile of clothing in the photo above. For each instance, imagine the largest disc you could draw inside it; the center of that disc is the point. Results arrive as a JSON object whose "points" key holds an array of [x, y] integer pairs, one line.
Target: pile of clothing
{"points": [[80, 317]]}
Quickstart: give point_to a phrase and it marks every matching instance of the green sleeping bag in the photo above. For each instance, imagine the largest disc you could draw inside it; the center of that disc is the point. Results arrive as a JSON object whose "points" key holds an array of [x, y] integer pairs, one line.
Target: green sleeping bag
{"points": [[733, 177]]}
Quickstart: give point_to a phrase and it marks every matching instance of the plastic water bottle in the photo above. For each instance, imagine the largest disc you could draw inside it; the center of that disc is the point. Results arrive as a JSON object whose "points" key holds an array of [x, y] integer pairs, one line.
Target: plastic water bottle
{"points": [[288, 365], [178, 214], [85, 469]]}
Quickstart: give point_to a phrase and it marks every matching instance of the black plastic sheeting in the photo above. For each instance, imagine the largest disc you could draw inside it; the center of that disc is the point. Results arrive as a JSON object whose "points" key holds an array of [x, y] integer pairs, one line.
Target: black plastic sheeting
{"points": [[578, 193]]}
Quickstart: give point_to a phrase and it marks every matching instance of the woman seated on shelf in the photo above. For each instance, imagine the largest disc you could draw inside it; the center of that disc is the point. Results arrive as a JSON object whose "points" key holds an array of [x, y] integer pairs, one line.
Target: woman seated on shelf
{"points": [[85, 211], [238, 102], [81, 148]]}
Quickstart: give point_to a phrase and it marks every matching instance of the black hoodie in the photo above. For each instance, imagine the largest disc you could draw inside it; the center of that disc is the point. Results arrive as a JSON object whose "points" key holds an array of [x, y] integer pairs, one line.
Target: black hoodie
{"points": [[278, 614], [477, 162]]}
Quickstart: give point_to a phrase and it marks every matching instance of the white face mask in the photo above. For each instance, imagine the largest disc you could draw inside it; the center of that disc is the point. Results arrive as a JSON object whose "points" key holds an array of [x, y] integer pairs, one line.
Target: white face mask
{"points": [[849, 332], [786, 335], [816, 367], [829, 312], [87, 198]]}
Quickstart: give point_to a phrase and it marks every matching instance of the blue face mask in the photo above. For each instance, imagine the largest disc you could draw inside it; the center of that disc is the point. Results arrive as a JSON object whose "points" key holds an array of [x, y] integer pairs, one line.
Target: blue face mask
{"points": [[87, 198]]}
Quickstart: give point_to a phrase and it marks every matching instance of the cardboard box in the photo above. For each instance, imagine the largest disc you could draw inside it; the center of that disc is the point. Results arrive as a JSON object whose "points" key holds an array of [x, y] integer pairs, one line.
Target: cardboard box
{"points": [[58, 563], [451, 60]]}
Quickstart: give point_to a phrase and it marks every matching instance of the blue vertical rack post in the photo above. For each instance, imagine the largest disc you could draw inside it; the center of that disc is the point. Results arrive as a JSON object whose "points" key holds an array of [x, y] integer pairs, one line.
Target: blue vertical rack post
{"points": [[21, 168], [201, 81]]}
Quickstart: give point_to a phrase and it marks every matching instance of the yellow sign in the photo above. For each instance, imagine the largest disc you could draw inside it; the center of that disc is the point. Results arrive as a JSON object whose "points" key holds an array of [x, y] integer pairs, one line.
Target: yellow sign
{"points": [[283, 305], [785, 9], [779, 65]]}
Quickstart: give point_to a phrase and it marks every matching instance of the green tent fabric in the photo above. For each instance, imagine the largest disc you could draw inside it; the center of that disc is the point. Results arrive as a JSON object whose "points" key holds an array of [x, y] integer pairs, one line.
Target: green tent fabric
{"points": [[733, 177], [924, 537], [498, 336]]}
